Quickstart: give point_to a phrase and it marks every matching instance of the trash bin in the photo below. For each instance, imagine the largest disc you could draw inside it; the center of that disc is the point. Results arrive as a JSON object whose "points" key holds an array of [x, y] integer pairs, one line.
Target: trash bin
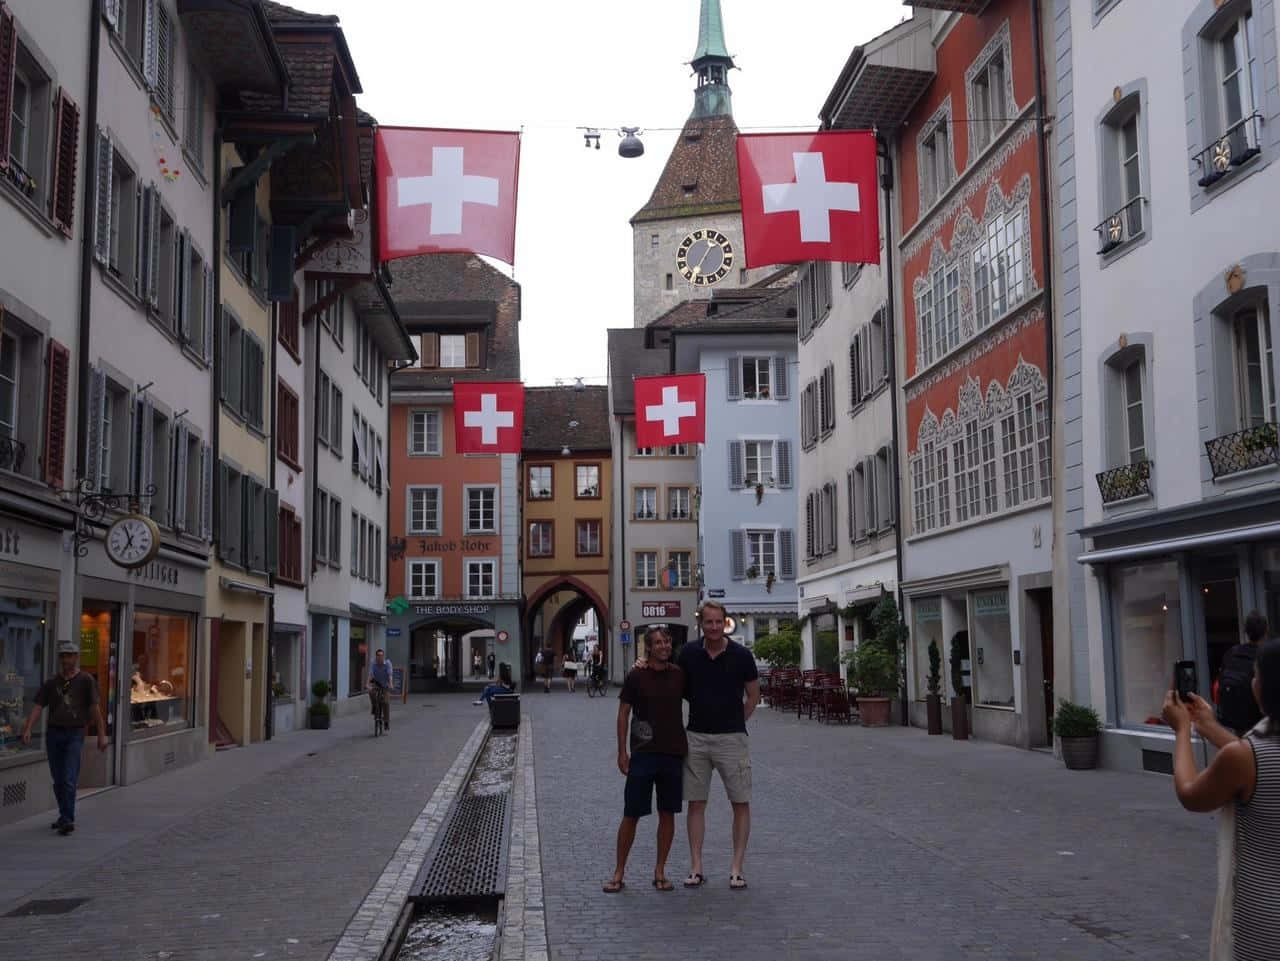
{"points": [[504, 711]]}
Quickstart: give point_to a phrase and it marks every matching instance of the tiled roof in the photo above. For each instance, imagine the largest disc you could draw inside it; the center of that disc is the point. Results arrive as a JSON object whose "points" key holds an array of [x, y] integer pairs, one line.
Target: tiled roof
{"points": [[280, 13], [310, 67], [701, 175], [772, 307], [367, 124], [559, 417], [629, 359]]}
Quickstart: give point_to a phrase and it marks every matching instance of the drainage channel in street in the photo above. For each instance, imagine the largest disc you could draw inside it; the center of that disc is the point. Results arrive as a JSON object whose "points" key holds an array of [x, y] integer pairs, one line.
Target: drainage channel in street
{"points": [[455, 905]]}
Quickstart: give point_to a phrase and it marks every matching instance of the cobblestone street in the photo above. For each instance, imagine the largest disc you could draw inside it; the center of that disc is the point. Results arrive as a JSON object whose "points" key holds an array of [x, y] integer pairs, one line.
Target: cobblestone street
{"points": [[883, 845]]}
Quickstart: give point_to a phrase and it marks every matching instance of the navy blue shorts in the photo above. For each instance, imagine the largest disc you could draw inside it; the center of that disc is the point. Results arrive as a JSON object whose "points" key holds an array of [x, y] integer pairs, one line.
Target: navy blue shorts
{"points": [[663, 772]]}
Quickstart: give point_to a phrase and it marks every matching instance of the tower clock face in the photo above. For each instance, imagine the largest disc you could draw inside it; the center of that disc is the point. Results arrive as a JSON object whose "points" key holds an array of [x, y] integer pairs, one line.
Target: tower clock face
{"points": [[704, 257]]}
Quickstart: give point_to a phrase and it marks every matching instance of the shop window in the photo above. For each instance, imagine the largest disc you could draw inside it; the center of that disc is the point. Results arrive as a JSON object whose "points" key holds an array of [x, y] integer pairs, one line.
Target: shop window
{"points": [[358, 658], [285, 657], [99, 655], [926, 617], [26, 631], [992, 648], [1146, 637], [826, 643], [160, 695]]}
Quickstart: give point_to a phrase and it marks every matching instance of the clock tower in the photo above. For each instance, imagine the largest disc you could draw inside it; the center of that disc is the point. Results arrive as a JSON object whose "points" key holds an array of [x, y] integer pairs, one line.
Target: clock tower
{"points": [[687, 240]]}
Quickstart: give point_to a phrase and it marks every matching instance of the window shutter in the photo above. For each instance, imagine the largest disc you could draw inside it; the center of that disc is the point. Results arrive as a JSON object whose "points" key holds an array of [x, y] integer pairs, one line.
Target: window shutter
{"points": [[472, 350], [808, 525], [734, 378], [259, 377], [102, 193], [55, 412], [738, 554], [146, 455], [736, 465], [869, 379], [206, 491], [97, 403], [8, 61], [224, 358], [271, 528], [165, 442], [178, 500], [164, 60], [849, 497], [784, 463], [855, 394], [62, 170], [148, 241], [280, 263], [149, 30], [138, 253], [781, 391], [430, 350], [243, 208], [884, 487], [182, 274], [787, 551], [111, 13], [210, 320], [869, 475]]}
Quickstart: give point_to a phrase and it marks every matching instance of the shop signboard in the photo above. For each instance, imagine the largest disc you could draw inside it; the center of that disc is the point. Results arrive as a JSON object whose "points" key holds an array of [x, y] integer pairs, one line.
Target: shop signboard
{"points": [[445, 610], [991, 603], [927, 609]]}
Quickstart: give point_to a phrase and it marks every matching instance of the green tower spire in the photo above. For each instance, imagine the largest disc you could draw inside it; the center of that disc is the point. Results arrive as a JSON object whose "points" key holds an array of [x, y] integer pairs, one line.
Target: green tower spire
{"points": [[712, 63]]}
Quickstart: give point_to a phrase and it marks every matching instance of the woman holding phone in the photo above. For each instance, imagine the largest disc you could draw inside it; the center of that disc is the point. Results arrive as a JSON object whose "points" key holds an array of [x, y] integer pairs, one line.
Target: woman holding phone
{"points": [[1244, 779]]}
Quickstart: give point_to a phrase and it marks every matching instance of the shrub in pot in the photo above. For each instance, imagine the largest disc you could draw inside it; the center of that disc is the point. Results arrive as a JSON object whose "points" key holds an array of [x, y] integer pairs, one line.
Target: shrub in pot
{"points": [[875, 671], [934, 699], [1077, 728], [960, 701], [319, 712]]}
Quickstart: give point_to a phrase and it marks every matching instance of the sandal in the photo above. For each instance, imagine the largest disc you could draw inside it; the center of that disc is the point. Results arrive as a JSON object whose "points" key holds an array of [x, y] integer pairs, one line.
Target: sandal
{"points": [[613, 887], [694, 880], [662, 884], [737, 882]]}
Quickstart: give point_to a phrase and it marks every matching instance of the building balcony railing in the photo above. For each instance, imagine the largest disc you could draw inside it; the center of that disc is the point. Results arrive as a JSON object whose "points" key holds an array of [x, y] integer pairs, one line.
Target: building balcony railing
{"points": [[1239, 144], [13, 454], [1244, 450], [643, 515], [1126, 481], [1124, 225]]}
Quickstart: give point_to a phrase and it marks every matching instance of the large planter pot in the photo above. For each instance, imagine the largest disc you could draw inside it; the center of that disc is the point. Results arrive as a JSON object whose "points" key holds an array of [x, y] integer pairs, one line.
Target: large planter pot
{"points": [[504, 711], [959, 719], [934, 704], [1080, 753], [874, 711], [319, 722]]}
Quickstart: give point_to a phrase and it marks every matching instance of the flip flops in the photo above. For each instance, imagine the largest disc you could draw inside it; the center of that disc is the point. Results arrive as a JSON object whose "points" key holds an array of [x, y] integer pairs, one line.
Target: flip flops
{"points": [[662, 884], [694, 880], [737, 882], [613, 887]]}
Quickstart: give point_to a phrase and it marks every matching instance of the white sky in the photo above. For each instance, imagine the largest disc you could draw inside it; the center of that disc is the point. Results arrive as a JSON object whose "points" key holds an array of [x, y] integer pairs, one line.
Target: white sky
{"points": [[550, 66]]}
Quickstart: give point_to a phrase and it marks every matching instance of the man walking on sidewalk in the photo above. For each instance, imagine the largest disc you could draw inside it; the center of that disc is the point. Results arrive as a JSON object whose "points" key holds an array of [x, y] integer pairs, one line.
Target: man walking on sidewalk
{"points": [[72, 701], [654, 694]]}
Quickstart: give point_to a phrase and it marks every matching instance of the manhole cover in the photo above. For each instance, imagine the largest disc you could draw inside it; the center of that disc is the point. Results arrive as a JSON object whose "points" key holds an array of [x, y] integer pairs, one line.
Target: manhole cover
{"points": [[49, 906]]}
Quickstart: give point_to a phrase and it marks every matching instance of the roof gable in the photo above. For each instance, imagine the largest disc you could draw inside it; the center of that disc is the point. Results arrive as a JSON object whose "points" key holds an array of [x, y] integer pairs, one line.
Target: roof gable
{"points": [[701, 175]]}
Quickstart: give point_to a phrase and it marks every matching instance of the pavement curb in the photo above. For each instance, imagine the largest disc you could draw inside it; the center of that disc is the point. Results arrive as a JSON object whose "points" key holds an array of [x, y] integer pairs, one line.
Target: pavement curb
{"points": [[366, 934], [524, 928]]}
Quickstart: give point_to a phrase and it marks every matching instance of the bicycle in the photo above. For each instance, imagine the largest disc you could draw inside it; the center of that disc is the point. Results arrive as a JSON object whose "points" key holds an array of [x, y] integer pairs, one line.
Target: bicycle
{"points": [[597, 685], [382, 712]]}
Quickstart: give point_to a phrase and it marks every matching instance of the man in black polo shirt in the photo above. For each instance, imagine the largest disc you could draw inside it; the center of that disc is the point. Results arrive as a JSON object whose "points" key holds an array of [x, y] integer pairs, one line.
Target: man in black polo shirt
{"points": [[719, 674], [655, 695]]}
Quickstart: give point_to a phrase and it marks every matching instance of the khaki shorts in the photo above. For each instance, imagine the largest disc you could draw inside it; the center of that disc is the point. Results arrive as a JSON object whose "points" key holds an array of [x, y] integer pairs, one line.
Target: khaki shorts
{"points": [[728, 755]]}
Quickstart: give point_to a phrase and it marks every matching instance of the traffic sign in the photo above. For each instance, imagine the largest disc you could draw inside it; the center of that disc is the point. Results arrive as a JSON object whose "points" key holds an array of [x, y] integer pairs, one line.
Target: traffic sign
{"points": [[624, 638], [502, 636], [624, 625]]}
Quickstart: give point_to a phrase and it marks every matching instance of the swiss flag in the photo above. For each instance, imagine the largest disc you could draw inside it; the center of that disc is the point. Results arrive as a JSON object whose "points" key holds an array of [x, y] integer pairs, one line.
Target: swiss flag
{"points": [[809, 196], [488, 418], [671, 410], [446, 190]]}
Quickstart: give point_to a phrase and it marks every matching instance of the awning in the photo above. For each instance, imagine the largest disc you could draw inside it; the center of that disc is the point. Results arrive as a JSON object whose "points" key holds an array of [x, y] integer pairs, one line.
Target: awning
{"points": [[869, 594], [1173, 545], [366, 614], [957, 6], [884, 83]]}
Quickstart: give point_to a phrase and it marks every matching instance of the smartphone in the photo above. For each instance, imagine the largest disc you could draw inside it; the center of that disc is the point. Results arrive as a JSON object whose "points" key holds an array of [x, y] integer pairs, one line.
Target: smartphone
{"points": [[1184, 679]]}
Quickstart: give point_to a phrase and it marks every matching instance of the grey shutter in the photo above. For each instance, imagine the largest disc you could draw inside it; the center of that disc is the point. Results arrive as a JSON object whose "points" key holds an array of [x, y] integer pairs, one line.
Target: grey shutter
{"points": [[206, 491], [734, 378], [146, 456], [97, 405], [182, 273], [226, 550], [736, 467], [781, 391], [271, 528], [102, 223], [165, 444], [224, 346], [738, 554], [783, 465], [138, 253], [869, 379], [149, 31], [855, 394], [241, 220], [164, 50], [848, 483], [209, 319], [146, 239], [111, 13], [178, 500], [885, 489], [808, 525], [787, 552], [869, 485], [280, 264]]}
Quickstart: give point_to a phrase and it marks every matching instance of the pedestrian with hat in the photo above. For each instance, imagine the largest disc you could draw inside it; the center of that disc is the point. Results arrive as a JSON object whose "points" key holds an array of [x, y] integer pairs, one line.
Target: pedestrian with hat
{"points": [[71, 698]]}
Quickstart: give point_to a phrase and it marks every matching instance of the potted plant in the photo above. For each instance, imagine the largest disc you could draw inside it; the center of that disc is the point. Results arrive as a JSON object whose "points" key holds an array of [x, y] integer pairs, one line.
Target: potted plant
{"points": [[769, 581], [319, 712], [934, 699], [753, 572], [875, 671], [1077, 727], [959, 697], [759, 493]]}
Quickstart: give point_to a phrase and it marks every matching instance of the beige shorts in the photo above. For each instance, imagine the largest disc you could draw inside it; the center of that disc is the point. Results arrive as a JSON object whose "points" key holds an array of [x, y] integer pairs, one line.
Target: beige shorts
{"points": [[728, 755]]}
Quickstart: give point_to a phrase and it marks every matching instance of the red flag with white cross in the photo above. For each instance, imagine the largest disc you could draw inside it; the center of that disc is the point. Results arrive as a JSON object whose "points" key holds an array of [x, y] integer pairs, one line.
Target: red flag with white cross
{"points": [[809, 196], [671, 410], [488, 417], [446, 190]]}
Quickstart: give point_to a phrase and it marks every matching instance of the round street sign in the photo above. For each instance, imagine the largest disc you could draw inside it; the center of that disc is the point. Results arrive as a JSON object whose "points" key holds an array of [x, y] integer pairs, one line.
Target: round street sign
{"points": [[624, 625], [502, 636]]}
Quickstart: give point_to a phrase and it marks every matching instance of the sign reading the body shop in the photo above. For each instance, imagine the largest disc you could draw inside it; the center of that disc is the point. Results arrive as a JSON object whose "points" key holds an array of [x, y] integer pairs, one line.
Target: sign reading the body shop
{"points": [[659, 609], [444, 610]]}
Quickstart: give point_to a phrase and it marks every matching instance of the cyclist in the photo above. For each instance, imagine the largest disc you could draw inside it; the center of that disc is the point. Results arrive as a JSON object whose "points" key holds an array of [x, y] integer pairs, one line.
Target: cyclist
{"points": [[597, 665], [380, 687]]}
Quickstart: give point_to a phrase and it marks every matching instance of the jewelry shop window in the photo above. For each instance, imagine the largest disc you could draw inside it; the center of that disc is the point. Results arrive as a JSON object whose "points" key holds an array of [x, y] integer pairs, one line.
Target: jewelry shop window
{"points": [[160, 692], [992, 648], [926, 612], [99, 653], [26, 630], [1147, 637]]}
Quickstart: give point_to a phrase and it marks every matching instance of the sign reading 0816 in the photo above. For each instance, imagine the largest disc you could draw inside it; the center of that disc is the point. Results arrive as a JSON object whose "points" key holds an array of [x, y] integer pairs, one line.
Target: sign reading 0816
{"points": [[704, 257]]}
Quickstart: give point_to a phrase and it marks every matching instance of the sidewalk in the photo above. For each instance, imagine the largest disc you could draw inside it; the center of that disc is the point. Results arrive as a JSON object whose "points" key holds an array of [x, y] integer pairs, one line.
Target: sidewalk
{"points": [[261, 852], [875, 845]]}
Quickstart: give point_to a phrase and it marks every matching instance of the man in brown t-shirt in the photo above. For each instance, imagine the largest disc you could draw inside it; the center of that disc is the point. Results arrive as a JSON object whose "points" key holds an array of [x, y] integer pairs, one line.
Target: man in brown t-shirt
{"points": [[654, 695], [71, 698]]}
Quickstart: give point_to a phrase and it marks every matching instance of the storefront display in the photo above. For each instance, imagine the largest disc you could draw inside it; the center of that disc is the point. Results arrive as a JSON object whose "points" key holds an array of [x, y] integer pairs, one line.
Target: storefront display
{"points": [[926, 614], [359, 657], [992, 648], [1148, 637], [100, 651], [25, 642], [159, 684]]}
